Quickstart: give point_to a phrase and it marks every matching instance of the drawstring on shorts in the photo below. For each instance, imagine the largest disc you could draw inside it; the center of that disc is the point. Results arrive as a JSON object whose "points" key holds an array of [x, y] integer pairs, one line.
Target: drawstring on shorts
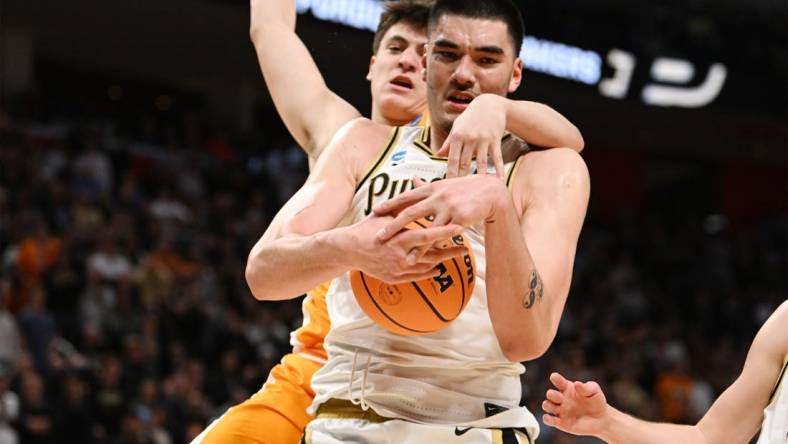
{"points": [[361, 401]]}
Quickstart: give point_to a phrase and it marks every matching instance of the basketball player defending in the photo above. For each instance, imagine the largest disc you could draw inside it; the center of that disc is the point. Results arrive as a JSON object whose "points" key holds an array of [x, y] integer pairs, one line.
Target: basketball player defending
{"points": [[754, 400], [419, 389], [277, 413]]}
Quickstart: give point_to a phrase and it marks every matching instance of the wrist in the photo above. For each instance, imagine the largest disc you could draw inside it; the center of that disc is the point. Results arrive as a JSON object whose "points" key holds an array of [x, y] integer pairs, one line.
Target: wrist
{"points": [[501, 201], [338, 246], [496, 104], [609, 422]]}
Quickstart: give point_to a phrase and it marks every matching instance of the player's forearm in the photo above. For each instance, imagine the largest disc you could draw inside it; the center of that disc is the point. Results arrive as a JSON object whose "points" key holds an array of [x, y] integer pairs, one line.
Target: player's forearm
{"points": [[517, 301], [264, 13], [290, 266], [620, 428], [540, 125]]}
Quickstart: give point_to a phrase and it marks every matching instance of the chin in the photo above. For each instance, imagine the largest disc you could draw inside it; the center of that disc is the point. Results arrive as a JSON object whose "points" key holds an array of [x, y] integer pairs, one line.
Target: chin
{"points": [[399, 106]]}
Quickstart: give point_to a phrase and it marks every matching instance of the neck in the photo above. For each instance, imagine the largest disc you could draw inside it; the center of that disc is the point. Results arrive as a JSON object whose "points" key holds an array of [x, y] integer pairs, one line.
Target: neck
{"points": [[437, 137]]}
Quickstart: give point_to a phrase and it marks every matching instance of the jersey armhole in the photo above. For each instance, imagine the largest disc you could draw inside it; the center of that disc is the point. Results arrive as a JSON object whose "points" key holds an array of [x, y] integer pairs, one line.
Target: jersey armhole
{"points": [[513, 172], [779, 381]]}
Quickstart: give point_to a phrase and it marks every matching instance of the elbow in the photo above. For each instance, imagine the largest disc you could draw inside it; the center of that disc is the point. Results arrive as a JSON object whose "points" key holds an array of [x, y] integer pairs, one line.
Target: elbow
{"points": [[256, 32], [253, 280], [577, 143], [266, 31], [533, 347], [581, 143]]}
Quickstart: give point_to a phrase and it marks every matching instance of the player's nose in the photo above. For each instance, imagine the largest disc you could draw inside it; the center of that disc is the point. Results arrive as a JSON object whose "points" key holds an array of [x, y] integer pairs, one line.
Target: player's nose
{"points": [[463, 74], [409, 60]]}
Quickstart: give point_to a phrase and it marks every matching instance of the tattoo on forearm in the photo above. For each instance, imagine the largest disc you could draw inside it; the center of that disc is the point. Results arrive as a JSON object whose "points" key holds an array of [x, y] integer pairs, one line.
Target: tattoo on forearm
{"points": [[535, 291]]}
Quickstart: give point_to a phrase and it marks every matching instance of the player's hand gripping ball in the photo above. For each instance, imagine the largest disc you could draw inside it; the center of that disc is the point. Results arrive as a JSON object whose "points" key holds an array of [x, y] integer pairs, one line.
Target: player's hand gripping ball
{"points": [[419, 307]]}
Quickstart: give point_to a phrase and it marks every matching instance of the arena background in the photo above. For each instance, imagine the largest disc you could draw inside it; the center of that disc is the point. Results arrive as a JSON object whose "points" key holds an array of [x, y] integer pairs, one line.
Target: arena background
{"points": [[141, 158]]}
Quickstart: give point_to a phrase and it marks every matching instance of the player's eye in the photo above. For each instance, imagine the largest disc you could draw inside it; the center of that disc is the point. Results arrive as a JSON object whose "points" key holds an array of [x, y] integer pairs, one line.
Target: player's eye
{"points": [[394, 48], [487, 61], [446, 55]]}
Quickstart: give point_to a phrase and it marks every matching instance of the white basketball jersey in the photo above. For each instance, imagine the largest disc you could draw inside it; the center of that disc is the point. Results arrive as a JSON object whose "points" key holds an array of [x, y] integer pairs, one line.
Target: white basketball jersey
{"points": [[444, 377], [775, 416]]}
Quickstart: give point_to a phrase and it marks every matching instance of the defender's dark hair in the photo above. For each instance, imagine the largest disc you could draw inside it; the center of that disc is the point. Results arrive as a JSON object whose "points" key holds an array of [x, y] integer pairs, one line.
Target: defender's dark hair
{"points": [[503, 10], [411, 12]]}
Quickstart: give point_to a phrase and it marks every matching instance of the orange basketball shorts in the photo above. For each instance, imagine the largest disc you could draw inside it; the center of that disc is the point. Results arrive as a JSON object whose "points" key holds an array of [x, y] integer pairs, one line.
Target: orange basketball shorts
{"points": [[274, 415]]}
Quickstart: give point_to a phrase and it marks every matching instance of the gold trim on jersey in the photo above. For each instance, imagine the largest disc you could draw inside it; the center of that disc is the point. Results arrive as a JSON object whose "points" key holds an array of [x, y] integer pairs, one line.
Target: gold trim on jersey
{"points": [[392, 142], [513, 171], [779, 381], [420, 145]]}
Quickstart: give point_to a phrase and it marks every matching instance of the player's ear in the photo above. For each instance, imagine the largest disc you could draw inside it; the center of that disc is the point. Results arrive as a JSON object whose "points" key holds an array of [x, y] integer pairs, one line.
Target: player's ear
{"points": [[517, 75], [371, 63]]}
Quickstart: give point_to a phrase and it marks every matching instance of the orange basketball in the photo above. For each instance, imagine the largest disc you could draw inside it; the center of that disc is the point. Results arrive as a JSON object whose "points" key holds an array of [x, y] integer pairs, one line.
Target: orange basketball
{"points": [[420, 307]]}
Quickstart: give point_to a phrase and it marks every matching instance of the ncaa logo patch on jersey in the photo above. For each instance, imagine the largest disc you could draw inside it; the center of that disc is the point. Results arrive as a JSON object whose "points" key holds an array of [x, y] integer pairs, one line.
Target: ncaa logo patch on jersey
{"points": [[399, 155]]}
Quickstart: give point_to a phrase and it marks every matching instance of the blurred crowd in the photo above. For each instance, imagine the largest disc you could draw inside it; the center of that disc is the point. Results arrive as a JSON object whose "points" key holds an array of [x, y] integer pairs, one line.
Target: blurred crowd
{"points": [[125, 316]]}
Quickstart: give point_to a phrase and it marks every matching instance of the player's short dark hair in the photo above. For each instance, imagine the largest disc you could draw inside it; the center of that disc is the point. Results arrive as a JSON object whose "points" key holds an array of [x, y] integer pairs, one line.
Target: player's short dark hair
{"points": [[414, 13], [503, 10]]}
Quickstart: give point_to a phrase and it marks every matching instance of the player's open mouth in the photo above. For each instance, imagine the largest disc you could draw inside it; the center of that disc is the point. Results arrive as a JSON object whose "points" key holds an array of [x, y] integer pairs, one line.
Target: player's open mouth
{"points": [[460, 98], [402, 82]]}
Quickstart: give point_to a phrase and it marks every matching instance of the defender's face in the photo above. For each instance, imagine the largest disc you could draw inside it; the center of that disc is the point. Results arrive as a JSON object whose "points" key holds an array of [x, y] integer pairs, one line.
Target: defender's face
{"points": [[398, 87], [467, 57]]}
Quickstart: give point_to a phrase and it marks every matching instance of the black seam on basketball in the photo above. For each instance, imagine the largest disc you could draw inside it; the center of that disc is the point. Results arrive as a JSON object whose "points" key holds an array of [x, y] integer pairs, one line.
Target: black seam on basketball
{"points": [[372, 298], [420, 224], [383, 156], [779, 380], [462, 286], [427, 300]]}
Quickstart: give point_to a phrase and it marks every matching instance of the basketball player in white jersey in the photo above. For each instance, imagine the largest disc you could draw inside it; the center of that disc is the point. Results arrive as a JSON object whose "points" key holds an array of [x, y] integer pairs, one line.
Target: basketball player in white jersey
{"points": [[421, 389], [757, 399], [313, 114]]}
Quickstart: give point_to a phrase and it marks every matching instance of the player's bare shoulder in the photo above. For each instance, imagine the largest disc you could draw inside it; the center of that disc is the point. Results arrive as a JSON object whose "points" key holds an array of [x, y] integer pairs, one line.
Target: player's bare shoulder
{"points": [[553, 173], [359, 142]]}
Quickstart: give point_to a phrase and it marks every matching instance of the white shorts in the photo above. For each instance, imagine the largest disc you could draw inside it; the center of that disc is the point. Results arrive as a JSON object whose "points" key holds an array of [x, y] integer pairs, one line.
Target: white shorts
{"points": [[395, 431]]}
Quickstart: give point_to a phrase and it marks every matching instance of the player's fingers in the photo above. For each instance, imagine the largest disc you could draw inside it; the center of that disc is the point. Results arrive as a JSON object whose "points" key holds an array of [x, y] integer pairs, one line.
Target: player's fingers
{"points": [[465, 159], [481, 159], [551, 407], [418, 182], [555, 396], [586, 389], [395, 205], [455, 152], [552, 421], [442, 218], [497, 157], [410, 239], [410, 277], [407, 270], [445, 148], [559, 381], [406, 216], [401, 203], [435, 255]]}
